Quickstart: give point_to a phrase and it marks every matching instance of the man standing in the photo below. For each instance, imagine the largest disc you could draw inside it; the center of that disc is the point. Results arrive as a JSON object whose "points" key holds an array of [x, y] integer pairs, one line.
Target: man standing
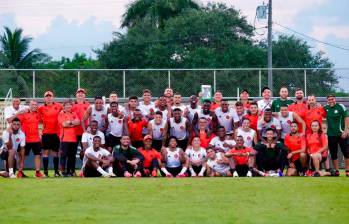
{"points": [[337, 131], [282, 101], [30, 126], [244, 96], [87, 137], [50, 140], [268, 122], [300, 107], [14, 141], [227, 117], [135, 128], [127, 159], [266, 102], [146, 106], [97, 112], [192, 108], [156, 129], [11, 111]]}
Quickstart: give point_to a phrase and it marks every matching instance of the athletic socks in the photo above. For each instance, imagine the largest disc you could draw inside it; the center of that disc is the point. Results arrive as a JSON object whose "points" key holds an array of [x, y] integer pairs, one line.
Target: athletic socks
{"points": [[110, 170], [192, 172], [165, 171], [202, 171], [55, 163], [101, 171], [10, 170], [45, 162], [184, 169]]}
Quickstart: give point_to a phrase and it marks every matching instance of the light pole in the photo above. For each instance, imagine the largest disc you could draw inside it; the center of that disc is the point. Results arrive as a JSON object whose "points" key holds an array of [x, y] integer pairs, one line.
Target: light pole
{"points": [[270, 47]]}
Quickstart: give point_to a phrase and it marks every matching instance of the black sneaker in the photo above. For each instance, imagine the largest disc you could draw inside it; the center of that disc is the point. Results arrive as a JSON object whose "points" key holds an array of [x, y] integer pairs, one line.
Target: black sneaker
{"points": [[337, 173], [57, 174], [316, 174], [64, 174], [46, 174]]}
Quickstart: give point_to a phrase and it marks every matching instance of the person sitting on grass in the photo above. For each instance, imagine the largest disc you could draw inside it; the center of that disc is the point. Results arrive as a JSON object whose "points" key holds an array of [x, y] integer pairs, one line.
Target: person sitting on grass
{"points": [[217, 164], [152, 158], [271, 155], [197, 158], [97, 161], [127, 160], [243, 158], [297, 157], [317, 148], [174, 161]]}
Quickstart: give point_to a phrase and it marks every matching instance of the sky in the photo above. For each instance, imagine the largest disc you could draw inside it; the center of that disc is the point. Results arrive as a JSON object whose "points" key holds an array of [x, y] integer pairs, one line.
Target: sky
{"points": [[64, 27]]}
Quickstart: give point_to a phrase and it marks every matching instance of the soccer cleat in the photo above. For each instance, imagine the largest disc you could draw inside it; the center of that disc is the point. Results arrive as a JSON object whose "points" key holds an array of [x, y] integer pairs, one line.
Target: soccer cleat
{"points": [[337, 173], [64, 174], [38, 174], [20, 174], [235, 174], [46, 174], [57, 174], [154, 173], [146, 172], [193, 174], [347, 173], [112, 175], [106, 175], [181, 175], [249, 174], [81, 174], [73, 174], [280, 173], [316, 174], [137, 174], [169, 175], [12, 176], [309, 173], [127, 174]]}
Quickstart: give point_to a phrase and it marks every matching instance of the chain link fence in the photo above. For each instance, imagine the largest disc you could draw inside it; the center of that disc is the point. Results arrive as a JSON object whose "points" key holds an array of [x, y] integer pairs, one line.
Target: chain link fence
{"points": [[27, 83]]}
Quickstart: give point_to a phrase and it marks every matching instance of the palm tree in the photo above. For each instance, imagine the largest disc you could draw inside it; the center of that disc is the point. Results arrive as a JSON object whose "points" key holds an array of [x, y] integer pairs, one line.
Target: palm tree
{"points": [[156, 10], [14, 50]]}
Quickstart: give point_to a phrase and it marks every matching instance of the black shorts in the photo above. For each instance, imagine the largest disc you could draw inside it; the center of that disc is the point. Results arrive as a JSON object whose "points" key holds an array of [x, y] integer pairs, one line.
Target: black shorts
{"points": [[174, 171], [50, 142], [197, 170], [333, 142], [34, 146], [91, 172], [242, 170], [112, 141]]}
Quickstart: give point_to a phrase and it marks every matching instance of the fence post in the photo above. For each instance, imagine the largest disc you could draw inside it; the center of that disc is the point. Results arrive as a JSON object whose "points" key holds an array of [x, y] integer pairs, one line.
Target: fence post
{"points": [[34, 84], [305, 82], [169, 78], [214, 81], [260, 83], [124, 83], [78, 79]]}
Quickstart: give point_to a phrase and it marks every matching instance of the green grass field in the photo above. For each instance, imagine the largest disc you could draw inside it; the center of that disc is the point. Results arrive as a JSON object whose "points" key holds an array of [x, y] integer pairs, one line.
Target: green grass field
{"points": [[187, 200]]}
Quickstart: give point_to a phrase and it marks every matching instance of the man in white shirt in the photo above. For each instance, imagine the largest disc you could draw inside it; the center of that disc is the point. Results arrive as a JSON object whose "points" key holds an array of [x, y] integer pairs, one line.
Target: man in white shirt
{"points": [[97, 161], [146, 106], [220, 143], [266, 102], [13, 141], [10, 112], [266, 122], [87, 137]]}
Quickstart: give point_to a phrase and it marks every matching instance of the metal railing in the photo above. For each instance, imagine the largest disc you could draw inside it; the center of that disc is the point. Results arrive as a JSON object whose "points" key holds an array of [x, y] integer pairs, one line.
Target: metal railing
{"points": [[32, 83]]}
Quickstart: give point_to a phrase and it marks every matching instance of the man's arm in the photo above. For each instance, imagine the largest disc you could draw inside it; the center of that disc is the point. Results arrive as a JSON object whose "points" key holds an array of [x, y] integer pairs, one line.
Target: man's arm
{"points": [[299, 120], [87, 114]]}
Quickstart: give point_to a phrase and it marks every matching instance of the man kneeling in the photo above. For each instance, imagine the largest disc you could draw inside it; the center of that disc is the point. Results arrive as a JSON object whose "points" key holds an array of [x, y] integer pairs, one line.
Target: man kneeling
{"points": [[97, 161]]}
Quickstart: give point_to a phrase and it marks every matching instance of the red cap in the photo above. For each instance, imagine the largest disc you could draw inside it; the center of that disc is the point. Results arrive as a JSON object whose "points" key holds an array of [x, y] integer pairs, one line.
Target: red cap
{"points": [[147, 137], [81, 90], [48, 92]]}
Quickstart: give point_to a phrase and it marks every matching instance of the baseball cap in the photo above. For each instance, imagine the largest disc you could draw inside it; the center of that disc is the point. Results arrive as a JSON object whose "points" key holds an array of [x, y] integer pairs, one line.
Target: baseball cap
{"points": [[265, 88], [81, 90], [48, 93], [244, 90], [147, 137]]}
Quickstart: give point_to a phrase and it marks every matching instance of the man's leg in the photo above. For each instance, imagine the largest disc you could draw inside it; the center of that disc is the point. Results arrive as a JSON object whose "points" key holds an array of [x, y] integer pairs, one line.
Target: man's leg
{"points": [[11, 162], [260, 157], [64, 154], [333, 146], [344, 145]]}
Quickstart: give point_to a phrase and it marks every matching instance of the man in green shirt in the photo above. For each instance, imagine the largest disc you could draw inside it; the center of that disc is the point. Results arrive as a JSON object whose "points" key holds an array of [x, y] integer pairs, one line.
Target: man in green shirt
{"points": [[282, 101], [337, 131]]}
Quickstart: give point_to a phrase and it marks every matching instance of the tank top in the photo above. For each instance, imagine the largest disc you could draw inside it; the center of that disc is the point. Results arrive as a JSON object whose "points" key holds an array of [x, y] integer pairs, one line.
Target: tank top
{"points": [[173, 159], [116, 125], [158, 129], [178, 129], [285, 124], [99, 116]]}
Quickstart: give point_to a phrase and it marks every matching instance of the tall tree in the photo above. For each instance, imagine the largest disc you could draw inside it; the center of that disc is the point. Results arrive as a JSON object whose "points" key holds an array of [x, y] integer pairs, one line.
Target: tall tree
{"points": [[155, 11]]}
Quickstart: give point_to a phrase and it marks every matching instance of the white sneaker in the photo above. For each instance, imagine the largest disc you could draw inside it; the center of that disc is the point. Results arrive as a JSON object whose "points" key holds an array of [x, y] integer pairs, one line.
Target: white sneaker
{"points": [[12, 176], [193, 174], [249, 174], [235, 174], [112, 175], [106, 175]]}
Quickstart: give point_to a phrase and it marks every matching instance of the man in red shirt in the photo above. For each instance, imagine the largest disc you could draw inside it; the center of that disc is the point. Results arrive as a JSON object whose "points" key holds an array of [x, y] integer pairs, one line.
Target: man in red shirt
{"points": [[50, 141], [68, 120], [252, 115], [80, 106], [315, 113], [135, 128], [300, 106], [244, 97], [297, 156], [30, 127], [152, 158], [243, 158]]}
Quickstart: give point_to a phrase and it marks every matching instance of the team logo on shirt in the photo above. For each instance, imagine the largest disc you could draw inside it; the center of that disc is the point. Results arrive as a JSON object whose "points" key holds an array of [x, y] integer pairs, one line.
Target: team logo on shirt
{"points": [[181, 127], [288, 121], [18, 139], [120, 121], [227, 117], [176, 156], [336, 111], [248, 138], [161, 130], [272, 126], [103, 115]]}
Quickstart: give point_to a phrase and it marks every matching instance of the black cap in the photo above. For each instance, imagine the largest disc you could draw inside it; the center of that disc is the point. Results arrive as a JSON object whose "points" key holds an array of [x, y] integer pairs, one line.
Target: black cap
{"points": [[244, 90], [331, 95], [264, 88]]}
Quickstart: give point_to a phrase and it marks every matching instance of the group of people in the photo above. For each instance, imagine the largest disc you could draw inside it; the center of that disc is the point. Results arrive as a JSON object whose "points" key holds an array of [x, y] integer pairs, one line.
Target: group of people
{"points": [[166, 137]]}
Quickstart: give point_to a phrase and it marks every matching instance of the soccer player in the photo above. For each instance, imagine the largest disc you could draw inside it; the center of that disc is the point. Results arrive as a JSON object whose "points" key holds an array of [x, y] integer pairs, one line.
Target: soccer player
{"points": [[177, 102], [50, 140], [174, 161], [68, 121], [98, 112], [204, 133], [113, 97], [156, 129], [163, 108], [317, 147], [266, 102], [266, 122], [11, 111], [244, 99], [179, 127], [116, 126], [337, 130], [168, 96], [97, 160], [300, 106], [240, 111], [252, 115], [127, 159], [13, 142], [297, 156], [131, 107], [30, 127], [146, 106], [212, 121], [271, 155], [87, 137], [192, 108], [227, 117], [217, 164], [152, 158], [220, 143], [197, 158], [282, 101], [243, 158], [315, 112], [135, 127], [286, 118], [217, 99], [248, 134]]}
